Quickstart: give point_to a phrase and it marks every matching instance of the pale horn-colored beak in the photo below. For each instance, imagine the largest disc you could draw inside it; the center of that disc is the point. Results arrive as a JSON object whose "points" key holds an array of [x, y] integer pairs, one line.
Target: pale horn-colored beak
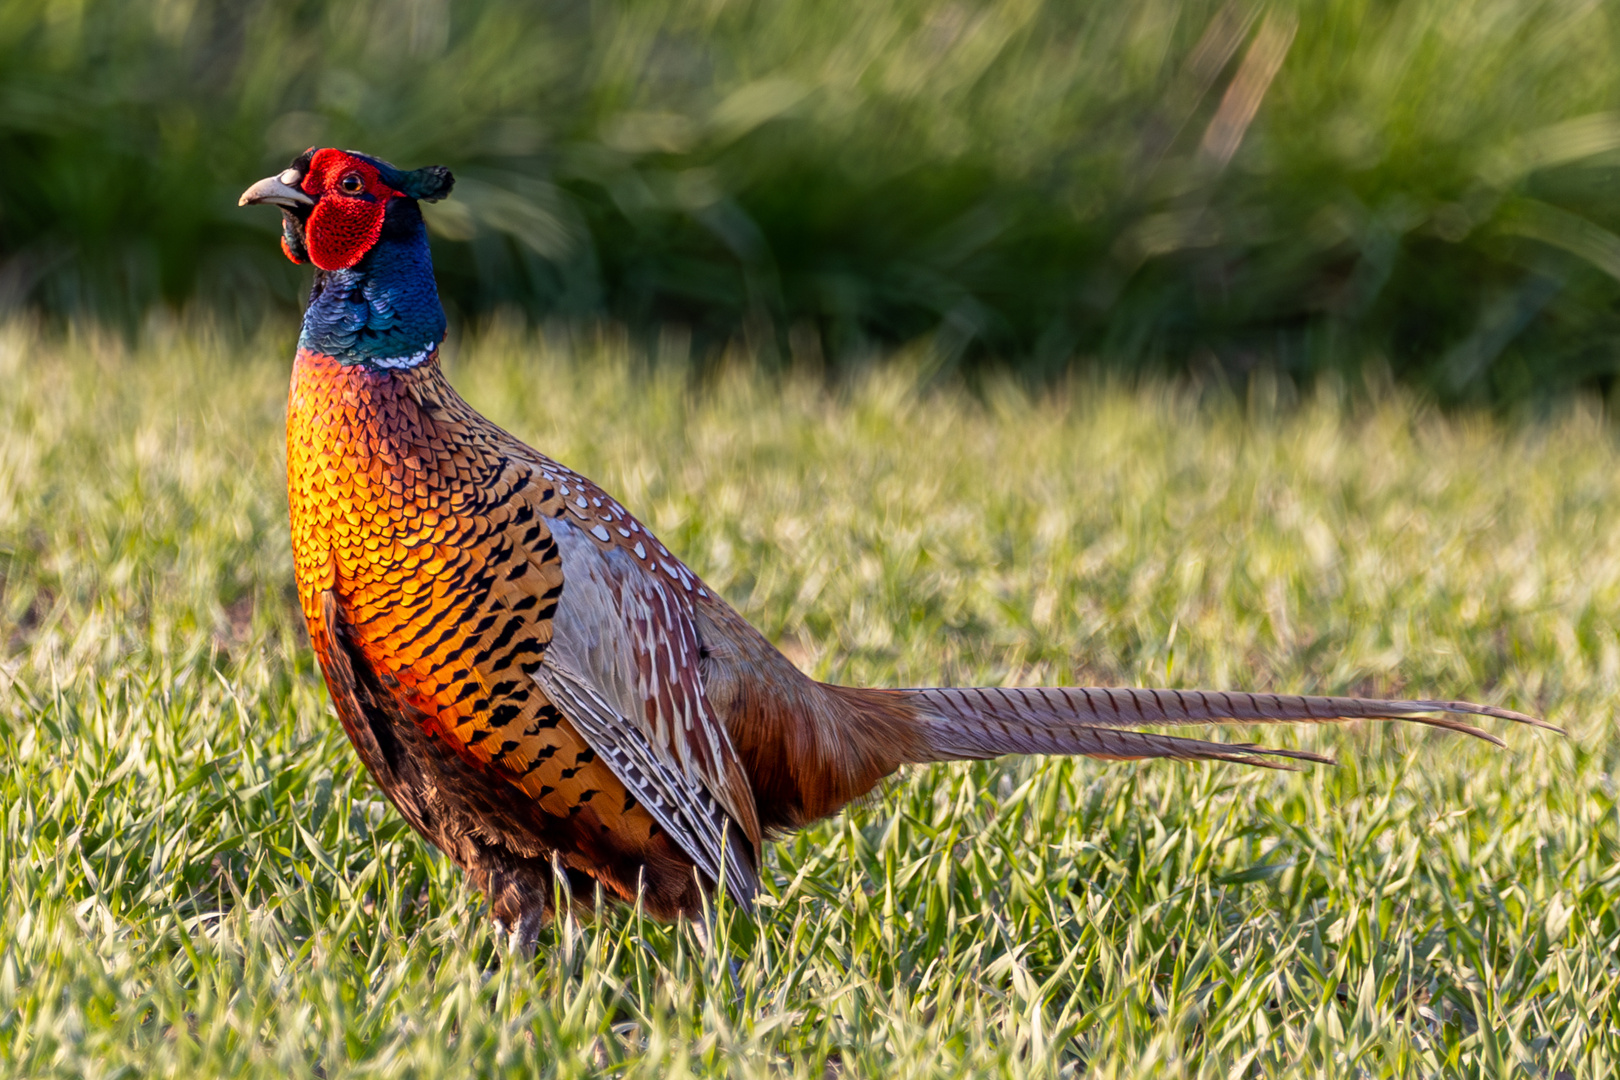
{"points": [[279, 190]]}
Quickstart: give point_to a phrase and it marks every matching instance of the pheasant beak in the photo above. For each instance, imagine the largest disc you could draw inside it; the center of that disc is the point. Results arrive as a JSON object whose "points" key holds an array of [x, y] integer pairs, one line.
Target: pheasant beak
{"points": [[280, 190]]}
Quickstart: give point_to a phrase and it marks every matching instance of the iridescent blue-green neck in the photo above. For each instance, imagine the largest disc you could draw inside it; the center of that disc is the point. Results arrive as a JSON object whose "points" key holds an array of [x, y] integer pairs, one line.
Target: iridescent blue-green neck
{"points": [[384, 310]]}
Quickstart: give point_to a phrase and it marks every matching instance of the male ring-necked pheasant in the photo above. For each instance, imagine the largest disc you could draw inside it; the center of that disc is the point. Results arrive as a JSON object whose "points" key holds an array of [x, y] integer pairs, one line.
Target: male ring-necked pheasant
{"points": [[534, 680]]}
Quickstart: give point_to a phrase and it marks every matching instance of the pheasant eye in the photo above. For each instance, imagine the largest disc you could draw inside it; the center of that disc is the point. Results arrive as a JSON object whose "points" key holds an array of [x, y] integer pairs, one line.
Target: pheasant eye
{"points": [[351, 184]]}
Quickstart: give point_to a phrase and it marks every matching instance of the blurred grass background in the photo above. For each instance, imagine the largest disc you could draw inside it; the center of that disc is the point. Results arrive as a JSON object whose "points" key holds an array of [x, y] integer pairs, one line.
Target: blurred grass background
{"points": [[1165, 185], [198, 880]]}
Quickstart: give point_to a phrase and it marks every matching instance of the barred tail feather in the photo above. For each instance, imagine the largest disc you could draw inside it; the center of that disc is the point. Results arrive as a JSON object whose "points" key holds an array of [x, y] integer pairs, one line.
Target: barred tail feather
{"points": [[954, 723]]}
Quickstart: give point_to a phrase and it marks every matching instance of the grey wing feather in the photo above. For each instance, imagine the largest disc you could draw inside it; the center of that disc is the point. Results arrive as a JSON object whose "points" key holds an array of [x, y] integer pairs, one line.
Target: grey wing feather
{"points": [[680, 805], [589, 673]]}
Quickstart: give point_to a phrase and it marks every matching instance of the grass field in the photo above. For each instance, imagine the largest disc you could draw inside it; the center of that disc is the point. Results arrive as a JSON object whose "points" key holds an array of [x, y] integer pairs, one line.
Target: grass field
{"points": [[197, 881]]}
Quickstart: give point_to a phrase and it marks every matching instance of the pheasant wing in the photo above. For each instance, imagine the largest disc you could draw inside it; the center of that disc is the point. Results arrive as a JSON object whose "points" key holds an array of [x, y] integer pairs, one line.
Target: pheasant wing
{"points": [[623, 664], [681, 805]]}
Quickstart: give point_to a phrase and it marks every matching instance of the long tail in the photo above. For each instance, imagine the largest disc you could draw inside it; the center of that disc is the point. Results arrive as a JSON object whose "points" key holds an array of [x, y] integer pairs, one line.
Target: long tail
{"points": [[982, 723]]}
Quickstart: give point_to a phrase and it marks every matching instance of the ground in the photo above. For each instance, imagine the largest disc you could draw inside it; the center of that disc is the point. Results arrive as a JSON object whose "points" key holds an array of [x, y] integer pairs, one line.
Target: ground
{"points": [[196, 880]]}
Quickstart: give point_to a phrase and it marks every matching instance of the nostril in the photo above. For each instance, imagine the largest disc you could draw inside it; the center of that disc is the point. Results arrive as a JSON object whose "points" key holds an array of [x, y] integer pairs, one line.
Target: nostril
{"points": [[290, 176]]}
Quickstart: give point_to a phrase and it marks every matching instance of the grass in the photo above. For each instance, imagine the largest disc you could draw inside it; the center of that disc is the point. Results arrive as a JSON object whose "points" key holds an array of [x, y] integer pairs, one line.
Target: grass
{"points": [[1166, 183], [197, 880]]}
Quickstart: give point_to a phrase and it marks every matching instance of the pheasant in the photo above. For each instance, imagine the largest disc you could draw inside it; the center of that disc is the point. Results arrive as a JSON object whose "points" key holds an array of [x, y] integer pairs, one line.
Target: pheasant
{"points": [[538, 685]]}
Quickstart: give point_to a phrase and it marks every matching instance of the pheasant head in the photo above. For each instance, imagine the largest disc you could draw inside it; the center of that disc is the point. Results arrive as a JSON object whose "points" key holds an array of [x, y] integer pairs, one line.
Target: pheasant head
{"points": [[357, 219]]}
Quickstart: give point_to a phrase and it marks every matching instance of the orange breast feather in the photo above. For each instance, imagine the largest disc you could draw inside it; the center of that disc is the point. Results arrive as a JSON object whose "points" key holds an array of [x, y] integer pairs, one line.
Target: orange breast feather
{"points": [[437, 547]]}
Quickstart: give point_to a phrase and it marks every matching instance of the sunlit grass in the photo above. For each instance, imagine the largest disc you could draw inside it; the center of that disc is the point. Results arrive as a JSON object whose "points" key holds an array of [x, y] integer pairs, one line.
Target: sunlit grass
{"points": [[197, 880]]}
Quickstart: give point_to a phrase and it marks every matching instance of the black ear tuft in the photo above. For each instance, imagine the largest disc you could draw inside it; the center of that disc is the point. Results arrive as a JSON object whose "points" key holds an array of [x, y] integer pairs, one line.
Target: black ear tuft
{"points": [[430, 184]]}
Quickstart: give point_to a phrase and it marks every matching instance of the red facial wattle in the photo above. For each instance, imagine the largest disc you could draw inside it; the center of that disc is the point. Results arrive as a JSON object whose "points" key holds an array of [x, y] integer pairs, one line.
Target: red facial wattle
{"points": [[350, 203]]}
